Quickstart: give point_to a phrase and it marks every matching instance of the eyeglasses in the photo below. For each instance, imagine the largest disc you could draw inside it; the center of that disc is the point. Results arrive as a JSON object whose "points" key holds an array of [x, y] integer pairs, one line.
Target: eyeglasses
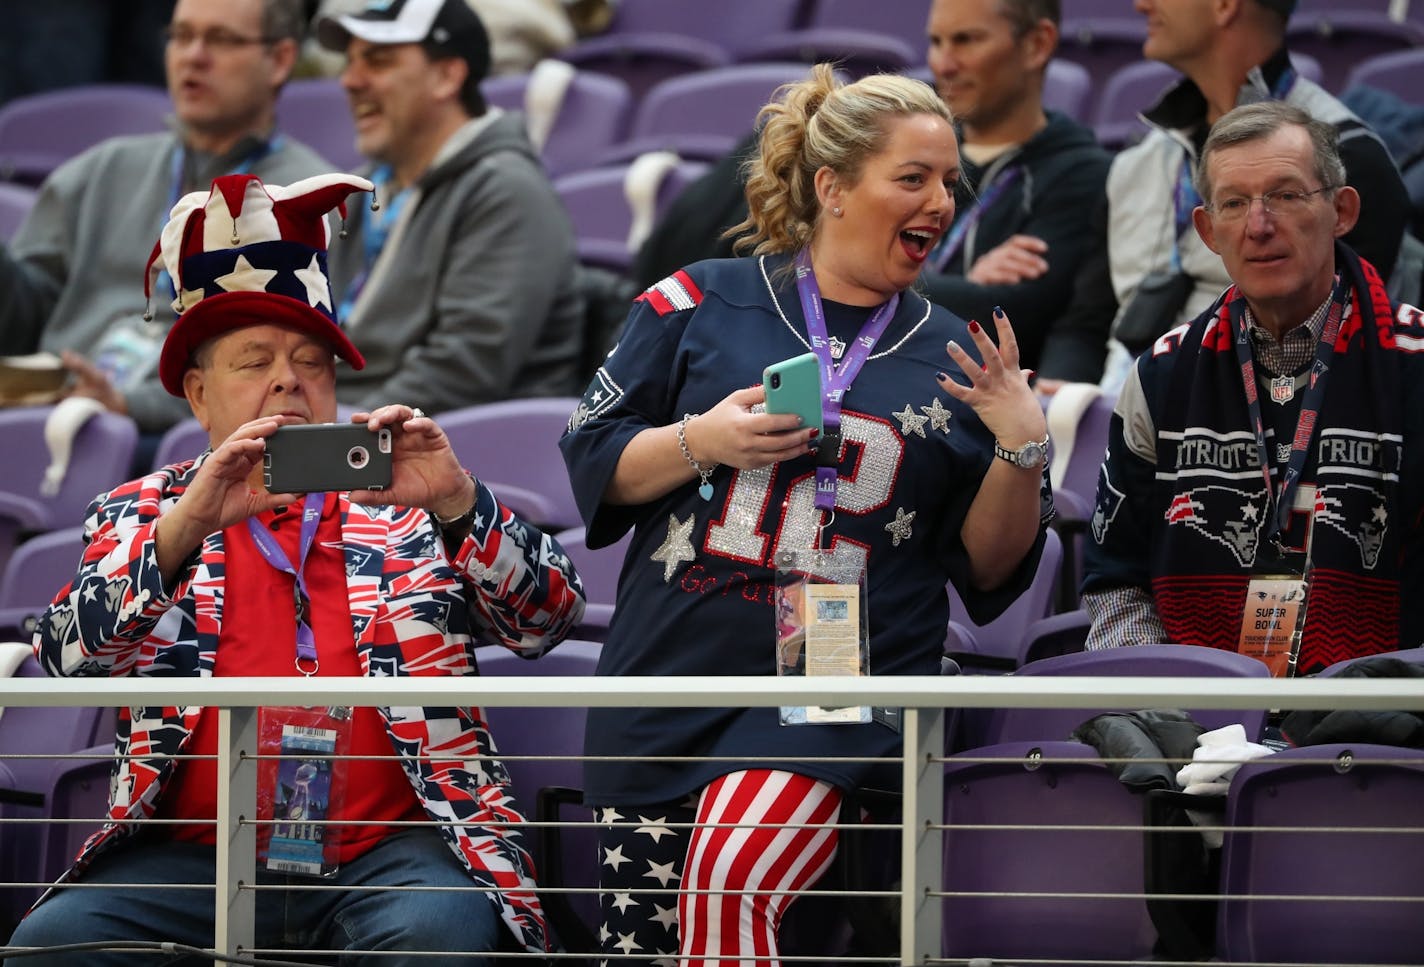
{"points": [[218, 39], [1282, 202]]}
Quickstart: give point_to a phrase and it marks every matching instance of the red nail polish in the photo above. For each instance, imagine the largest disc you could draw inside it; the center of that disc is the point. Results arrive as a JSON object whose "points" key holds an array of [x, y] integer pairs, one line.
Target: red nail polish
{"points": [[815, 433], [973, 326]]}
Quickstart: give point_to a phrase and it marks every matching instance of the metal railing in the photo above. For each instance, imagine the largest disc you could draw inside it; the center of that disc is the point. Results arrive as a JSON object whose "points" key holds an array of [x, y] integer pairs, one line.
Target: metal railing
{"points": [[923, 699]]}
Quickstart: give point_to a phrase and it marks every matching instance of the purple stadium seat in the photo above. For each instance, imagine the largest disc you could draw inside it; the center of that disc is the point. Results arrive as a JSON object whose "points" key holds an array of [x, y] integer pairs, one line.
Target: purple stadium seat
{"points": [[35, 573], [1412, 655], [1343, 38], [1349, 796], [564, 857], [15, 204], [1124, 94], [602, 217], [1398, 72], [999, 643], [731, 25], [650, 41], [904, 21], [79, 791], [183, 440], [38, 731], [39, 132], [1132, 88], [1067, 87], [1103, 44], [102, 452], [600, 571], [1058, 634], [316, 111], [516, 442], [1079, 418], [990, 726], [1076, 873], [856, 52], [702, 116], [592, 116]]}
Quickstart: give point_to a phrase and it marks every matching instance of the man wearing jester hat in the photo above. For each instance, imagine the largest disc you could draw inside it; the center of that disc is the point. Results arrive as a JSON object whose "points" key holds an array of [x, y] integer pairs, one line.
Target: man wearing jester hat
{"points": [[190, 571]]}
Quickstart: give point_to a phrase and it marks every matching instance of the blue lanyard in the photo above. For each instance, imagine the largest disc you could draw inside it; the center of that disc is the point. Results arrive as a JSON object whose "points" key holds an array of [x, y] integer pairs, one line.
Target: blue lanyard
{"points": [[379, 223], [273, 554], [954, 238], [835, 381], [1308, 420], [177, 162]]}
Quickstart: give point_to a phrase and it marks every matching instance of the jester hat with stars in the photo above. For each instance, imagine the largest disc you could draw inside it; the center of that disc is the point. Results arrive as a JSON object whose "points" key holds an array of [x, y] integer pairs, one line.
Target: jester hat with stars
{"points": [[249, 254]]}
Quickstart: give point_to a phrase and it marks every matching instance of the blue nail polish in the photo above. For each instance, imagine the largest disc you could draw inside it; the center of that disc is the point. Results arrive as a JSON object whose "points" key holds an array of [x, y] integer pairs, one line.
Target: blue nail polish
{"points": [[998, 312], [941, 376]]}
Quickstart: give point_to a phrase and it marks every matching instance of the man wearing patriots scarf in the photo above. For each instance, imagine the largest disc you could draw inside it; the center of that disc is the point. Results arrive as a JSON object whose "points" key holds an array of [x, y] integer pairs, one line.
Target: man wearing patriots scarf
{"points": [[189, 572], [1277, 433]]}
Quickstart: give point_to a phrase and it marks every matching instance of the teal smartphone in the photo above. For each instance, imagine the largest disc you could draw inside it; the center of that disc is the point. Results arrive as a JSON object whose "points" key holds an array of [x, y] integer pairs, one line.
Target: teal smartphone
{"points": [[794, 386]]}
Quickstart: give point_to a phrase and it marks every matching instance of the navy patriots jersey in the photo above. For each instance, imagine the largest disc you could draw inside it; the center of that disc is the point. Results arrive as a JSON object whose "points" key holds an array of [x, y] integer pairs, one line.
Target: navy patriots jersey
{"points": [[696, 589]]}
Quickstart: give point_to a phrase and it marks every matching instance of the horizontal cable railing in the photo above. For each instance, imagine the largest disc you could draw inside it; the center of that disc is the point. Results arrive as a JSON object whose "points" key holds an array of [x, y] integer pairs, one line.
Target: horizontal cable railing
{"points": [[921, 894]]}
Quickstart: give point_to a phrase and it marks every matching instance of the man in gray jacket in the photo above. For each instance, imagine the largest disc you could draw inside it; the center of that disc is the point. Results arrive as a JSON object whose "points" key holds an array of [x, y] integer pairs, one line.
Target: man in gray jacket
{"points": [[72, 277], [458, 287]]}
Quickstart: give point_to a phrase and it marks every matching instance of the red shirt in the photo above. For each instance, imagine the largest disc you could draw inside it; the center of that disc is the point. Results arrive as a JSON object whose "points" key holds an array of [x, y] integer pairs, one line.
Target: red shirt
{"points": [[259, 634]]}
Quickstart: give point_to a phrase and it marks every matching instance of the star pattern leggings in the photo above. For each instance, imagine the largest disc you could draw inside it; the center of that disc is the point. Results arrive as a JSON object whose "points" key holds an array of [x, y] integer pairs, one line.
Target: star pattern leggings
{"points": [[762, 868]]}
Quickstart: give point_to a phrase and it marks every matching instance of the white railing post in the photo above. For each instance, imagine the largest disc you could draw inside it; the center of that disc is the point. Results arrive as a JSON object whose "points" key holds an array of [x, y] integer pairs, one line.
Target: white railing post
{"points": [[235, 914], [919, 844]]}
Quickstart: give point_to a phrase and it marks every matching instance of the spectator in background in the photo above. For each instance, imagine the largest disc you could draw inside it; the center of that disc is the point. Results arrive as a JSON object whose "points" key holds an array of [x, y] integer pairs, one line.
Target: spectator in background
{"points": [[1279, 434], [194, 574], [460, 287], [521, 32], [1032, 178], [1232, 53], [72, 276]]}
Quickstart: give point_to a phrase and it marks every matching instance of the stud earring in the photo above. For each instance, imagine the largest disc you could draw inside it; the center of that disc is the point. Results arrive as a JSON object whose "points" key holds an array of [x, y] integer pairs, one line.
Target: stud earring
{"points": [[836, 212]]}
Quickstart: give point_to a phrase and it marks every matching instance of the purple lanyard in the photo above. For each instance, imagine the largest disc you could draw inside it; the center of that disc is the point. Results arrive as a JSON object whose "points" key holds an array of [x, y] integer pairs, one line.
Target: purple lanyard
{"points": [[273, 554], [955, 237], [835, 381], [1309, 404]]}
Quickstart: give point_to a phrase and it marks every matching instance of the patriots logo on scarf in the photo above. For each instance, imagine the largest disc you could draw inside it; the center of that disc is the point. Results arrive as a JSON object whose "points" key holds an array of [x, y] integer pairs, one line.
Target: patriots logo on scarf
{"points": [[1230, 517], [1359, 513]]}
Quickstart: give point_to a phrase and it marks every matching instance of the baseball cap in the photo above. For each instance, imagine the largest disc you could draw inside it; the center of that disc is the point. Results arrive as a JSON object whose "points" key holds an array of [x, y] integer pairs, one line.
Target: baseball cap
{"points": [[450, 26]]}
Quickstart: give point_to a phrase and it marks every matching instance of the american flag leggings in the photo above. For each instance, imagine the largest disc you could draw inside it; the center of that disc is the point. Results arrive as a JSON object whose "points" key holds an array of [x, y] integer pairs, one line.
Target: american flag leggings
{"points": [[762, 867]]}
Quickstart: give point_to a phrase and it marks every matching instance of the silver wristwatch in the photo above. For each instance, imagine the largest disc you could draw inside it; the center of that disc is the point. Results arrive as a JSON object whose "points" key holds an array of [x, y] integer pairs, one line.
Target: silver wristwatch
{"points": [[1031, 456]]}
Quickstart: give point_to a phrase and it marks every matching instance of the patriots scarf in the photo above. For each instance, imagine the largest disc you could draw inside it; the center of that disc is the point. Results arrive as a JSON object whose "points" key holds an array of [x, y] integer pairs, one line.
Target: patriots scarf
{"points": [[1210, 492]]}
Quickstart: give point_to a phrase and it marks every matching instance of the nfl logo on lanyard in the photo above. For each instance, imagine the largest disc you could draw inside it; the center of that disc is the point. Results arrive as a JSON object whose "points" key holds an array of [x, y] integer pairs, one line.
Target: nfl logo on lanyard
{"points": [[1282, 389]]}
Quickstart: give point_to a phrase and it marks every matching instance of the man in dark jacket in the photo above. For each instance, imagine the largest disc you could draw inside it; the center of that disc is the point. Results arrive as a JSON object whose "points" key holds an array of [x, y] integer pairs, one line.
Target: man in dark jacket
{"points": [[459, 288], [1033, 178]]}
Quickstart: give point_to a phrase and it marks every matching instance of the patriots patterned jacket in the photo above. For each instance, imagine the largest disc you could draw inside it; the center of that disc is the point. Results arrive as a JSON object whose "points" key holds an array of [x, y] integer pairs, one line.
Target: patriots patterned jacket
{"points": [[414, 611]]}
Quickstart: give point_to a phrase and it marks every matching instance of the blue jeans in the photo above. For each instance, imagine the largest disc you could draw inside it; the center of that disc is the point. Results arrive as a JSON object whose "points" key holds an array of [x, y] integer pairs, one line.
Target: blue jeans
{"points": [[464, 921]]}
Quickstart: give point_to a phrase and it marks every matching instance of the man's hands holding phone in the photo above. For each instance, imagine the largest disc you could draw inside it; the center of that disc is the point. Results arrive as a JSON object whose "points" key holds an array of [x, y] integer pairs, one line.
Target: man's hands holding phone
{"points": [[228, 488]]}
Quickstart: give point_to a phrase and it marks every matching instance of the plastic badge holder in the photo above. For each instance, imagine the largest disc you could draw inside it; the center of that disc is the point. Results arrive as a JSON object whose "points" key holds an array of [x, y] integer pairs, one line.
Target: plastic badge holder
{"points": [[821, 628], [301, 783]]}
